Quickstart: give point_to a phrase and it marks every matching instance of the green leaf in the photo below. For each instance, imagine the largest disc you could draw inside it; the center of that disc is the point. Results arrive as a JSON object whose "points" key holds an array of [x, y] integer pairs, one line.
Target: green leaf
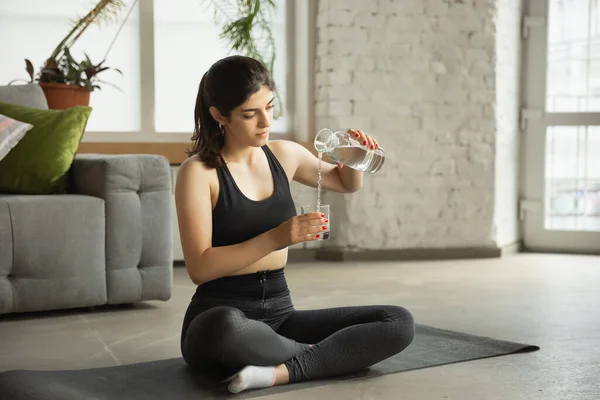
{"points": [[223, 10], [110, 84], [29, 68], [51, 72], [248, 30]]}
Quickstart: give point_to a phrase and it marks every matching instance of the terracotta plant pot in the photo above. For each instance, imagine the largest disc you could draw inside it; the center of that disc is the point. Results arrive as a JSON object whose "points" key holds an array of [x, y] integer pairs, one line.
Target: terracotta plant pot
{"points": [[61, 96]]}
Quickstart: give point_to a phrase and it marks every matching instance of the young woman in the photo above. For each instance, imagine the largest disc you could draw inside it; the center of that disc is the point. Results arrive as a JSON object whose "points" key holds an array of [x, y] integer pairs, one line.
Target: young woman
{"points": [[236, 219]]}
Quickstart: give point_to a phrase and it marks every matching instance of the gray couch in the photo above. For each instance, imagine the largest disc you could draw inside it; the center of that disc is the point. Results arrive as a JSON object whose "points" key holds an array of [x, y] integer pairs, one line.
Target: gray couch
{"points": [[108, 241]]}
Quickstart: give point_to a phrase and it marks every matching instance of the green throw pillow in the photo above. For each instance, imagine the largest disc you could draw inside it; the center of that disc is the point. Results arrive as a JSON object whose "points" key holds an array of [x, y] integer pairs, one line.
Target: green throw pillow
{"points": [[39, 163]]}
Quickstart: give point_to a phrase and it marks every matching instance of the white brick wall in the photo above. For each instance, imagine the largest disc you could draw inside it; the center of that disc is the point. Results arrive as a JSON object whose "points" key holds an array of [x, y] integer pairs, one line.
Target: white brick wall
{"points": [[421, 76]]}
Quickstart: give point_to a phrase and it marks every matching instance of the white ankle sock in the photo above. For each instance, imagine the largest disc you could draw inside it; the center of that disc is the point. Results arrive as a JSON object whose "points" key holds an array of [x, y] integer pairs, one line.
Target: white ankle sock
{"points": [[252, 377]]}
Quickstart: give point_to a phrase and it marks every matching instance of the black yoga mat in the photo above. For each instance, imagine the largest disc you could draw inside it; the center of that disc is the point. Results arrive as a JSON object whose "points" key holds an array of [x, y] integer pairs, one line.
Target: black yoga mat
{"points": [[171, 379]]}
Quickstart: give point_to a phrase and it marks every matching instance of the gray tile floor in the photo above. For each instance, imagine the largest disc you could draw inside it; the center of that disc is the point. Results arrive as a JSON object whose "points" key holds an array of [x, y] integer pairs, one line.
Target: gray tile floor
{"points": [[549, 300]]}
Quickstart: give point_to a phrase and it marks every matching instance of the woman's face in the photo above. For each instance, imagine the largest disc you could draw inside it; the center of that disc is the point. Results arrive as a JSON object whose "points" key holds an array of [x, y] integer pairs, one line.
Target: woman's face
{"points": [[250, 123]]}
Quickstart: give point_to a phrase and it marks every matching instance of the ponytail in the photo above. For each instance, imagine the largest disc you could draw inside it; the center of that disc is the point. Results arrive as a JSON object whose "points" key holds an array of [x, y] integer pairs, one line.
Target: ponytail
{"points": [[208, 138]]}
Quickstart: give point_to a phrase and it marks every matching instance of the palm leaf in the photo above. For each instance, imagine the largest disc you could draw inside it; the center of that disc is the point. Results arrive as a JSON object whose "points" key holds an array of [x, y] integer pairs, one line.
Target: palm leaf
{"points": [[103, 12], [224, 11], [245, 27]]}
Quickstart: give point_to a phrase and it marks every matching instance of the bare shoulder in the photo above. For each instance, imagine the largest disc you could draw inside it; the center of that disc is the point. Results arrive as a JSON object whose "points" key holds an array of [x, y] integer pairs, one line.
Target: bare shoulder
{"points": [[288, 154], [193, 163], [288, 149], [195, 178], [194, 170]]}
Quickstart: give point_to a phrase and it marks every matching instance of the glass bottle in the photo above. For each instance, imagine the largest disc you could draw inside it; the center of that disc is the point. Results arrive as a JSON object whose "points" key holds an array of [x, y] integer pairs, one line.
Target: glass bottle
{"points": [[342, 147]]}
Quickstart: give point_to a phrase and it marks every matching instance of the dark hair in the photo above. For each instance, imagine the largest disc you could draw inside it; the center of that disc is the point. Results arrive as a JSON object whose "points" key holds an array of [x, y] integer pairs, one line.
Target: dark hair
{"points": [[226, 85]]}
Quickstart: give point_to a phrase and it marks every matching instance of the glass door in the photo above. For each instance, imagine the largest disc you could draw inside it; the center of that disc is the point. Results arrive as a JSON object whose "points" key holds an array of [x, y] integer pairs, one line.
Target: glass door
{"points": [[560, 121]]}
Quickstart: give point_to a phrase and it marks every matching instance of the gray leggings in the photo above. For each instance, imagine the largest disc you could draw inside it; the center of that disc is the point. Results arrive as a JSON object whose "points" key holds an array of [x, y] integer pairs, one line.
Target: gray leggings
{"points": [[250, 320]]}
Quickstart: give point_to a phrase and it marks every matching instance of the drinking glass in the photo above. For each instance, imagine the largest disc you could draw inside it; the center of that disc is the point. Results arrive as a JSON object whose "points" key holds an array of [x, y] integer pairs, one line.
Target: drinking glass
{"points": [[323, 208]]}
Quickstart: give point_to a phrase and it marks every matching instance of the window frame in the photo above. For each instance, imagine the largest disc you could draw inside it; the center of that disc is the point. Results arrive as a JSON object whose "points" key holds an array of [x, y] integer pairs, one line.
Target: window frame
{"points": [[534, 121], [300, 27]]}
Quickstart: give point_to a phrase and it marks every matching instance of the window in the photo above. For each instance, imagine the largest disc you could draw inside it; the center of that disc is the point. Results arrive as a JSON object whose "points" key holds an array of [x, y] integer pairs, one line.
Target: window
{"points": [[37, 26], [163, 50], [560, 124], [186, 44], [573, 87], [573, 73]]}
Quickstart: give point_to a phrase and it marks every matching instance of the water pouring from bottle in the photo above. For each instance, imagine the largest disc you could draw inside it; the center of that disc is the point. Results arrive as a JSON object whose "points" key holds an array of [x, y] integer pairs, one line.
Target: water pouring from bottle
{"points": [[319, 181], [341, 147]]}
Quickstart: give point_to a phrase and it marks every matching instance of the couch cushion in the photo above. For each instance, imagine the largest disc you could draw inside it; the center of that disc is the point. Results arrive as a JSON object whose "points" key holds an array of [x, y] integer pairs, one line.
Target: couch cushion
{"points": [[30, 95], [53, 254], [139, 241], [40, 161], [6, 257]]}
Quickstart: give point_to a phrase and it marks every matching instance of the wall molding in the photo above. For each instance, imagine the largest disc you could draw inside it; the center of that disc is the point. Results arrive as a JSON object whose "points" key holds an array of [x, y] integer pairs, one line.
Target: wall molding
{"points": [[340, 255], [174, 151]]}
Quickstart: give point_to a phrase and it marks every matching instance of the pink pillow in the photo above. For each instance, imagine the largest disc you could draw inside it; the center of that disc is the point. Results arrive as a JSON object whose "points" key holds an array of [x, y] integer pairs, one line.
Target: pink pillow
{"points": [[11, 132]]}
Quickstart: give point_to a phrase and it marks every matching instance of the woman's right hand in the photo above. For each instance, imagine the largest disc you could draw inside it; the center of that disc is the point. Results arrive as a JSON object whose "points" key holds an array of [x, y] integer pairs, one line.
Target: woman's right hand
{"points": [[301, 228]]}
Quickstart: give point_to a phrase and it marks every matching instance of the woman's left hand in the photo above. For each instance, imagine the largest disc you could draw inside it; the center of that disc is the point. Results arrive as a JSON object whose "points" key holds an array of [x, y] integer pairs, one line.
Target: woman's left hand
{"points": [[361, 137]]}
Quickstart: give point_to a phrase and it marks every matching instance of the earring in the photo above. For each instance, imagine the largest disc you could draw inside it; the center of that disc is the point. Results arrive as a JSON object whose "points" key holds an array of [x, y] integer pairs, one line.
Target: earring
{"points": [[221, 129]]}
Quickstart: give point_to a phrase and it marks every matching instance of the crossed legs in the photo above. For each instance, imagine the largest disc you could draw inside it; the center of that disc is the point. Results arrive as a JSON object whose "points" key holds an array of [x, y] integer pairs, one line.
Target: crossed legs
{"points": [[223, 340], [346, 339]]}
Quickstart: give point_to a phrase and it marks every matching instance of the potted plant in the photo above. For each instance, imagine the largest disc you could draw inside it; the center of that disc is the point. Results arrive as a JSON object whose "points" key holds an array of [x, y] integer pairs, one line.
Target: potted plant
{"points": [[65, 81]]}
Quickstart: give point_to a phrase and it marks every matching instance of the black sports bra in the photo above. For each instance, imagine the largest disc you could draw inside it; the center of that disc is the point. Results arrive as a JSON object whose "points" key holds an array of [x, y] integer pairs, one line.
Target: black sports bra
{"points": [[237, 218]]}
